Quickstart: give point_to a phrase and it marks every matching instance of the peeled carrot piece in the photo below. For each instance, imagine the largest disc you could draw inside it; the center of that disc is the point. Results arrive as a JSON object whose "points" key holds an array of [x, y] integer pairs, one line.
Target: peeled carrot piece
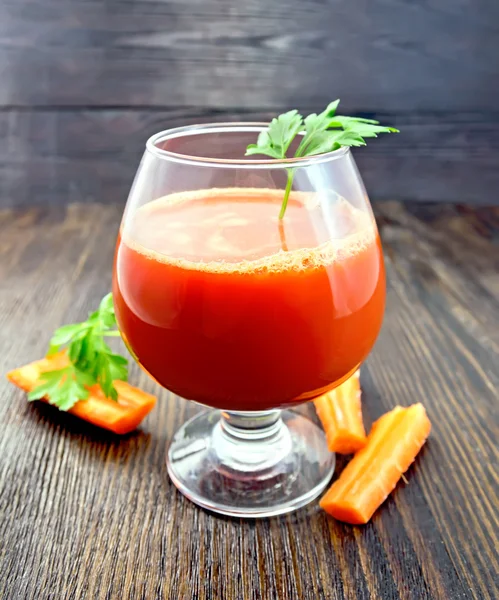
{"points": [[392, 445], [121, 416], [340, 413]]}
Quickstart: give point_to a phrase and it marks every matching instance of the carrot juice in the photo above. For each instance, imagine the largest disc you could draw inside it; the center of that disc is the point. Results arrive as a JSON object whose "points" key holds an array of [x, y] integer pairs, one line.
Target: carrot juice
{"points": [[224, 305]]}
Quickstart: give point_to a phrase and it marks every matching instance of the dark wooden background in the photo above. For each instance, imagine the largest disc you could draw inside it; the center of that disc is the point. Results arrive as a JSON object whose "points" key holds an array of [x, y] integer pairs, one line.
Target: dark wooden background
{"points": [[83, 83]]}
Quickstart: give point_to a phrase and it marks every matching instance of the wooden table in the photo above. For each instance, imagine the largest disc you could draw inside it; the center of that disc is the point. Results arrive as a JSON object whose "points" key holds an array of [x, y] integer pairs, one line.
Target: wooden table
{"points": [[87, 515]]}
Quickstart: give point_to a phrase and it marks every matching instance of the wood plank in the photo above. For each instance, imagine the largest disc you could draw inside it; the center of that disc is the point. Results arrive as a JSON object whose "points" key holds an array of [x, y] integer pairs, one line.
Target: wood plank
{"points": [[88, 515], [56, 157], [385, 55]]}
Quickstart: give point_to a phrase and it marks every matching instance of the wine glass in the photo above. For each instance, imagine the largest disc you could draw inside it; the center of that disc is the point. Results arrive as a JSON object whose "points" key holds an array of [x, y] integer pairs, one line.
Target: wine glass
{"points": [[224, 303]]}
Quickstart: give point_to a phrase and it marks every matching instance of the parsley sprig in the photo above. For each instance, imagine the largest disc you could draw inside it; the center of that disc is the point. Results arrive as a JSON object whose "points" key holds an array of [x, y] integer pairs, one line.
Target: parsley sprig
{"points": [[91, 360], [321, 133]]}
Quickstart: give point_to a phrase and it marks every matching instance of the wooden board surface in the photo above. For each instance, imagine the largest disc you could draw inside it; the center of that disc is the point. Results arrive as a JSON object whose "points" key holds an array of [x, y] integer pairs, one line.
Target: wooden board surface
{"points": [[86, 515]]}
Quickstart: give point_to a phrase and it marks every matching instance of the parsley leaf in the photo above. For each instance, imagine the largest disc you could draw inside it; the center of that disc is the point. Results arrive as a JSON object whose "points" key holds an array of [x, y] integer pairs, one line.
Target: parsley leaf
{"points": [[314, 126], [275, 141], [321, 133], [108, 367], [64, 387], [91, 360]]}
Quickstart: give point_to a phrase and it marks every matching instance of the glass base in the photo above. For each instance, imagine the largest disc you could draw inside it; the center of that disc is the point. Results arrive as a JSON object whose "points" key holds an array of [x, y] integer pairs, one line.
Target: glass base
{"points": [[253, 465]]}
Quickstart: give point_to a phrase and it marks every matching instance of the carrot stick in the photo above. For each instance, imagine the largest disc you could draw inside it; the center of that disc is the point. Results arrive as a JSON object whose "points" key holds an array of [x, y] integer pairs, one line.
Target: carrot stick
{"points": [[340, 413], [120, 417], [392, 445]]}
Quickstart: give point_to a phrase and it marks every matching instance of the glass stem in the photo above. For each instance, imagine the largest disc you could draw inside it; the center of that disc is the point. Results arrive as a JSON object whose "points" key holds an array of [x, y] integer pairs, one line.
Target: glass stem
{"points": [[246, 441], [249, 426]]}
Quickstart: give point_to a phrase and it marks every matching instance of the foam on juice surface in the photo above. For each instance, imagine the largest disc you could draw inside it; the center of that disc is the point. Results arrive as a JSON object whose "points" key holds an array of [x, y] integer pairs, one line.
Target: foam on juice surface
{"points": [[238, 230]]}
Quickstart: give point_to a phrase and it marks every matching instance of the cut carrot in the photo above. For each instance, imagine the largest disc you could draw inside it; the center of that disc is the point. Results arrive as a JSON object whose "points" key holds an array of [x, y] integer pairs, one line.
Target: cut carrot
{"points": [[340, 413], [120, 417], [366, 481]]}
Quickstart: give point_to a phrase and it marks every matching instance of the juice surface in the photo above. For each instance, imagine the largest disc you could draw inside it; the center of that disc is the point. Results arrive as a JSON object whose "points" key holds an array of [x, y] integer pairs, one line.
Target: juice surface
{"points": [[222, 305]]}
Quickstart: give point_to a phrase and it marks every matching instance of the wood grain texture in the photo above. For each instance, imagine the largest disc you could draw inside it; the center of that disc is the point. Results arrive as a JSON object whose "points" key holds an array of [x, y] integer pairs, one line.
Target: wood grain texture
{"points": [[88, 515], [383, 55], [61, 156], [84, 82]]}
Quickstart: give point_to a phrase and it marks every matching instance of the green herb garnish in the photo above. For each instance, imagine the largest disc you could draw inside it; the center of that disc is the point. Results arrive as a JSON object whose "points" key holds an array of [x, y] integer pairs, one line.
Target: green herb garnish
{"points": [[91, 360], [321, 133]]}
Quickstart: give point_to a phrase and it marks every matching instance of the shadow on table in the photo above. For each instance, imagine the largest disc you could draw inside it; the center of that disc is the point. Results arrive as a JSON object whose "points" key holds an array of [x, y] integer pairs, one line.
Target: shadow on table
{"points": [[100, 441]]}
